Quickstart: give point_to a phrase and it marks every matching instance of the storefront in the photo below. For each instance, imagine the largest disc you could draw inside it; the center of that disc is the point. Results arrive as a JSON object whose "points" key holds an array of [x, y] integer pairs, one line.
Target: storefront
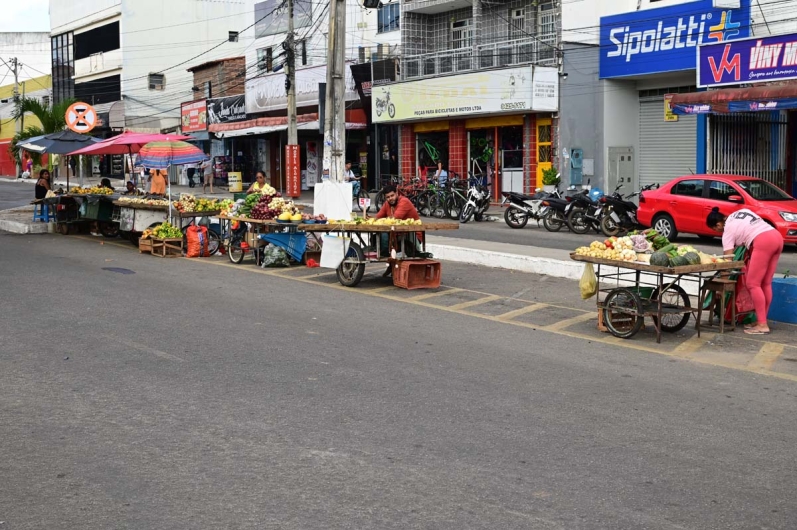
{"points": [[646, 58], [751, 130], [483, 124]]}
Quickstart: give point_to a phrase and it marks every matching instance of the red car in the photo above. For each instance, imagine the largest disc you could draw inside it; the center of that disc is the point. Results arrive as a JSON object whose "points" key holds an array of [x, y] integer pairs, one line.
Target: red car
{"points": [[682, 205]]}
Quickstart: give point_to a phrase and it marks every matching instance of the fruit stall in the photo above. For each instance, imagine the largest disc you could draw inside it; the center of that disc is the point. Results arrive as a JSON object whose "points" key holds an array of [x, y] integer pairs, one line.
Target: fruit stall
{"points": [[644, 275], [81, 206], [401, 243]]}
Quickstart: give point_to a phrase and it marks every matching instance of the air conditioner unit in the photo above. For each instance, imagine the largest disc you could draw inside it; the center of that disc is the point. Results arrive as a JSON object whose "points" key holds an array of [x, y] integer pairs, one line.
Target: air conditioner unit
{"points": [[156, 81]]}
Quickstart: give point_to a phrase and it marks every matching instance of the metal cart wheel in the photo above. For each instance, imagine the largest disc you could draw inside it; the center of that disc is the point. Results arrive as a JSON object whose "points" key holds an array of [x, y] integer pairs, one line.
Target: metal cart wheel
{"points": [[673, 295], [351, 271], [622, 313]]}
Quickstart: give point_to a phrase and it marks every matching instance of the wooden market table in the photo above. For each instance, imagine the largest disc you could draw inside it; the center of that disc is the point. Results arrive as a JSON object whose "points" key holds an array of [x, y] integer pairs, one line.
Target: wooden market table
{"points": [[402, 239], [71, 209], [624, 307]]}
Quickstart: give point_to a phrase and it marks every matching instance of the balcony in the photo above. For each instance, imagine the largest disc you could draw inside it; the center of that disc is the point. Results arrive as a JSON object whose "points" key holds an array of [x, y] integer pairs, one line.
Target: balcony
{"points": [[430, 7], [538, 51]]}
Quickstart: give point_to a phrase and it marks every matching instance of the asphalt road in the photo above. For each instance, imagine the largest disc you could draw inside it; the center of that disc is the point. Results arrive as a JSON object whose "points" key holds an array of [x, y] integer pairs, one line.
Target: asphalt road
{"points": [[138, 392], [15, 193]]}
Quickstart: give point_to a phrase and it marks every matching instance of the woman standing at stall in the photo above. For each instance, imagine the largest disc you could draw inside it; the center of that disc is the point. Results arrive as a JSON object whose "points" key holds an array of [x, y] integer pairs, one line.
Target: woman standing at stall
{"points": [[157, 178], [743, 227]]}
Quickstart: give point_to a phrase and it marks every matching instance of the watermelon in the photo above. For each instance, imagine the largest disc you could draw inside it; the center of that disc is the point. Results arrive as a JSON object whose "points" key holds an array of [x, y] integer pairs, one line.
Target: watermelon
{"points": [[678, 261], [660, 259], [693, 258]]}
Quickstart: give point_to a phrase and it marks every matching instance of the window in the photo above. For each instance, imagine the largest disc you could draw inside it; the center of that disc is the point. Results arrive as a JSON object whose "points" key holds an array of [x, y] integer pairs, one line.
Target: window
{"points": [[689, 188], [63, 67], [720, 191], [517, 24], [388, 18], [303, 51], [232, 36], [265, 60], [156, 81], [462, 34], [99, 91], [208, 90], [98, 40], [546, 31]]}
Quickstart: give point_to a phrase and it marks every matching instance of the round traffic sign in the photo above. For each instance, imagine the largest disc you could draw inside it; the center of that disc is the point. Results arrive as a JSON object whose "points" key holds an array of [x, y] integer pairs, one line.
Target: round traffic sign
{"points": [[81, 117]]}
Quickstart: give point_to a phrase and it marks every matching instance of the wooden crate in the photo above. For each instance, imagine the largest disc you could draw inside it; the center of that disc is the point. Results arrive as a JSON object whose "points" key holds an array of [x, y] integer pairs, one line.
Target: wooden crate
{"points": [[144, 245], [417, 274], [167, 248]]}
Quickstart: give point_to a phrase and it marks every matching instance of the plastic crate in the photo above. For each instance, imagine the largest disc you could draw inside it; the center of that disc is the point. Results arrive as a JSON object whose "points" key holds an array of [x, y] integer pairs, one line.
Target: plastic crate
{"points": [[99, 211], [417, 274], [236, 196]]}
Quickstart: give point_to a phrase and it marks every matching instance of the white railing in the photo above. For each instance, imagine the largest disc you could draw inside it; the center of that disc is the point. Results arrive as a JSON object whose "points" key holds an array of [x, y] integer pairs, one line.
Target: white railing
{"points": [[539, 51]]}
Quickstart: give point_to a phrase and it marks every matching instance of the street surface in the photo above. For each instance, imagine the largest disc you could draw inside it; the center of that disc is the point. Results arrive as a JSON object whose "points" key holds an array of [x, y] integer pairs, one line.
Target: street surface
{"points": [[138, 392], [14, 193]]}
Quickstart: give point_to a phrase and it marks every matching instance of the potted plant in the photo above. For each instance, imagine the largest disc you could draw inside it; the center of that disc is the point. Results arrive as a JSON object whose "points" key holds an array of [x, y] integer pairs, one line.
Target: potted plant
{"points": [[550, 178]]}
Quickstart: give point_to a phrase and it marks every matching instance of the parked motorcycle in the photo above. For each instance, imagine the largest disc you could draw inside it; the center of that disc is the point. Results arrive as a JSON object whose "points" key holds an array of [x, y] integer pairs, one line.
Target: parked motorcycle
{"points": [[524, 207], [585, 211], [621, 212], [383, 105], [478, 201], [555, 219]]}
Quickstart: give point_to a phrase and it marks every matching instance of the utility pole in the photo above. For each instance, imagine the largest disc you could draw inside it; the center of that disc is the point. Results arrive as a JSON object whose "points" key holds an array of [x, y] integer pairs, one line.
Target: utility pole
{"points": [[335, 119], [292, 156], [16, 65]]}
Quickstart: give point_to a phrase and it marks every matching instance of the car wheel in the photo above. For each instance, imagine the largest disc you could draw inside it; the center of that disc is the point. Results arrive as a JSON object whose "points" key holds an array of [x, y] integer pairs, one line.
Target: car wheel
{"points": [[664, 225]]}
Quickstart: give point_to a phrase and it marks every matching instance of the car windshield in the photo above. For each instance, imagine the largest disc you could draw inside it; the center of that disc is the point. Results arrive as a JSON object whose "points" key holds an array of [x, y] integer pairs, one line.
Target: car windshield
{"points": [[764, 191]]}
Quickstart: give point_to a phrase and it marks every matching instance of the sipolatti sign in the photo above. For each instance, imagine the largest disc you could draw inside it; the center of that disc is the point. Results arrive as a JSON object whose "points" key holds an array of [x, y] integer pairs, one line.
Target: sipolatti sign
{"points": [[665, 39]]}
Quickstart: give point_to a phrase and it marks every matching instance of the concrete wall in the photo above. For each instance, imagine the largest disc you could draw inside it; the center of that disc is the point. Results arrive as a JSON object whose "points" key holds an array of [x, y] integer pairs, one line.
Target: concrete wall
{"points": [[620, 122], [69, 15], [32, 49], [580, 114]]}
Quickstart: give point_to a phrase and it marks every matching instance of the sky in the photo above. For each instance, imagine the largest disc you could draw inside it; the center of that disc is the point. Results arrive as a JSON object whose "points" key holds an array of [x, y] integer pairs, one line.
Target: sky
{"points": [[25, 15]]}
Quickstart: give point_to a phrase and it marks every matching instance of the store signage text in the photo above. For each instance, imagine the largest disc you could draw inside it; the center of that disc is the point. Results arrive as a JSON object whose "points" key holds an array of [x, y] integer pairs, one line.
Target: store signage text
{"points": [[227, 109], [663, 39], [267, 93], [746, 61], [194, 116]]}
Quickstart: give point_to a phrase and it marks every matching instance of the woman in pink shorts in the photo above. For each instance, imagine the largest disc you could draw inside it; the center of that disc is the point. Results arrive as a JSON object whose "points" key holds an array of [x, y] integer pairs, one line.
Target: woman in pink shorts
{"points": [[743, 227]]}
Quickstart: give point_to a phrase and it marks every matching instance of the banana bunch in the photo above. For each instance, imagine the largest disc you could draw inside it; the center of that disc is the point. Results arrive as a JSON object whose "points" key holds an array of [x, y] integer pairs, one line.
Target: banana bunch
{"points": [[94, 190], [144, 202], [166, 231], [146, 234]]}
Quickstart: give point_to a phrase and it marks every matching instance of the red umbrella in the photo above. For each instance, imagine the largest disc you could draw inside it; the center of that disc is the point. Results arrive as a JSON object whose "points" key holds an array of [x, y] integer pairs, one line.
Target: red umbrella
{"points": [[126, 143]]}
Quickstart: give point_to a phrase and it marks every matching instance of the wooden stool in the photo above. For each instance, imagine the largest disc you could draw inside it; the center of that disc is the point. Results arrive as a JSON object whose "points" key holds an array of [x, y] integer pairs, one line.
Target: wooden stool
{"points": [[719, 287]]}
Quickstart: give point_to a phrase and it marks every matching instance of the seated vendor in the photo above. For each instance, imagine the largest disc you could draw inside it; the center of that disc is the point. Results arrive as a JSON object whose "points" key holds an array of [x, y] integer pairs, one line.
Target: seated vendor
{"points": [[130, 188], [157, 178], [259, 184], [106, 183], [43, 184], [398, 207]]}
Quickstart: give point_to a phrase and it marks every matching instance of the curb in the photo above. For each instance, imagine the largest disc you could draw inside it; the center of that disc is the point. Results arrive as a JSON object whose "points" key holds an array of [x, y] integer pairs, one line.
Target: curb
{"points": [[23, 228]]}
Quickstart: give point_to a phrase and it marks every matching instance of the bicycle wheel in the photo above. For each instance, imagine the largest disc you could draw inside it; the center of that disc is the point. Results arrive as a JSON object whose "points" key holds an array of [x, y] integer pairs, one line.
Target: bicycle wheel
{"points": [[379, 200], [674, 296], [351, 271], [622, 313], [437, 206], [214, 242], [234, 251], [454, 205], [363, 194]]}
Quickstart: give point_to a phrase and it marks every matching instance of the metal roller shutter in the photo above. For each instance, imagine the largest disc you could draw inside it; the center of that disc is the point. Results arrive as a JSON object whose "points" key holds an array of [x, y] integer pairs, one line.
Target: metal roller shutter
{"points": [[666, 149]]}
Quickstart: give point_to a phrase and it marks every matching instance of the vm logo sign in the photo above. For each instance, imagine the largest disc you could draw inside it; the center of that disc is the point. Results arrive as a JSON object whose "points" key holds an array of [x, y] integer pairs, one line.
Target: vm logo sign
{"points": [[732, 66]]}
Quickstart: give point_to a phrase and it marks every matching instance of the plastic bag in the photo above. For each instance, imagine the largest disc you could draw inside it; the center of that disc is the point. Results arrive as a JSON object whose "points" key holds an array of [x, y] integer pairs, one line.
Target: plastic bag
{"points": [[274, 256], [589, 282], [197, 242]]}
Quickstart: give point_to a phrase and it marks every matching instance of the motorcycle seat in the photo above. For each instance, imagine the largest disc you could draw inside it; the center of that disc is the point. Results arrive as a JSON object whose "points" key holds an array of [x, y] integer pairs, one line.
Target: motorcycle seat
{"points": [[524, 197]]}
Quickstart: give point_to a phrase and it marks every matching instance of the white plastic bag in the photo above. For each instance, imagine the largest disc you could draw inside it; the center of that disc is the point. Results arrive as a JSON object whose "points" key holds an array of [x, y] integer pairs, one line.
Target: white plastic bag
{"points": [[333, 250]]}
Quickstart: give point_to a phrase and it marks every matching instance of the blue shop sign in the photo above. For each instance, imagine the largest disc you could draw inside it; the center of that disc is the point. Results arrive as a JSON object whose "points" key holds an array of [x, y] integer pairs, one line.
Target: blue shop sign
{"points": [[665, 39], [755, 60]]}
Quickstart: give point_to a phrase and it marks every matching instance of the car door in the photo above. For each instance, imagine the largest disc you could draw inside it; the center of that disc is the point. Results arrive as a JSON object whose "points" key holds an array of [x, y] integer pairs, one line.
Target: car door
{"points": [[719, 194], [686, 204]]}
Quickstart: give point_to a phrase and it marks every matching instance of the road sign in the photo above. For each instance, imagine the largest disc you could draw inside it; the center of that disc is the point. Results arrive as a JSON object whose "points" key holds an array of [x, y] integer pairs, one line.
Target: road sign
{"points": [[365, 203], [81, 117]]}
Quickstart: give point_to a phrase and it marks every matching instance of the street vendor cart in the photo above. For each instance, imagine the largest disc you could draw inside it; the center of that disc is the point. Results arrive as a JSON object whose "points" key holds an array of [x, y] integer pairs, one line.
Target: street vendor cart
{"points": [[247, 239], [134, 218], [392, 244], [627, 292], [73, 210]]}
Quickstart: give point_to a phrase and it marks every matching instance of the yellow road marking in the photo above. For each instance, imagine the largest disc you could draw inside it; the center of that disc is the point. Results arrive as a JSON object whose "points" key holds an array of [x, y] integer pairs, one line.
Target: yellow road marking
{"points": [[564, 324], [766, 356], [689, 347], [480, 301], [439, 293], [522, 311], [609, 340]]}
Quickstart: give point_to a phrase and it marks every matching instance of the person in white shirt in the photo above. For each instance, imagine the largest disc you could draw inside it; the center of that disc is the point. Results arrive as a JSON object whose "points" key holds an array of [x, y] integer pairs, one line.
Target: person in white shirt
{"points": [[441, 174], [206, 174], [350, 177]]}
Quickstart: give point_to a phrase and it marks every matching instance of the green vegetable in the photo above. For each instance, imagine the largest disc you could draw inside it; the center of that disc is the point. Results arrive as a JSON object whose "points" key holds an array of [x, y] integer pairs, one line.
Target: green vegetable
{"points": [[667, 248], [692, 258], [678, 261], [660, 259]]}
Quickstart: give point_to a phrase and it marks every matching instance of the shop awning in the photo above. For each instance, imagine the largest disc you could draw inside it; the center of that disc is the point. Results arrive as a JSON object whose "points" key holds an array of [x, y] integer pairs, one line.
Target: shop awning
{"points": [[759, 98], [200, 136], [250, 131], [314, 126]]}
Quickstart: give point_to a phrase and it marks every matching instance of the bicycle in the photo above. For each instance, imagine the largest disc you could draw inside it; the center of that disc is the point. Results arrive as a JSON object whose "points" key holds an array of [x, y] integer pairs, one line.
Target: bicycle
{"points": [[359, 192]]}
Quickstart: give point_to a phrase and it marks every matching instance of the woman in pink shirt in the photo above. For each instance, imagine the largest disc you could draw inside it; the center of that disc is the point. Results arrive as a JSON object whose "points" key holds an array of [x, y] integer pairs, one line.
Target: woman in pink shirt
{"points": [[743, 227]]}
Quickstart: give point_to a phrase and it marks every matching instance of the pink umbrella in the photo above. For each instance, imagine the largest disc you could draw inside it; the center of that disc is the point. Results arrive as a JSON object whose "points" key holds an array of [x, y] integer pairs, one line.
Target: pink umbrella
{"points": [[126, 143]]}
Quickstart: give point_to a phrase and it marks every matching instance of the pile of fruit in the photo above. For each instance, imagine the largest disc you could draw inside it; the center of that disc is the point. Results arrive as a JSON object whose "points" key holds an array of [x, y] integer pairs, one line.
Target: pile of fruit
{"points": [[162, 231], [189, 203], [308, 217], [620, 249], [272, 207], [287, 216], [94, 190], [385, 221], [144, 202], [646, 248]]}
